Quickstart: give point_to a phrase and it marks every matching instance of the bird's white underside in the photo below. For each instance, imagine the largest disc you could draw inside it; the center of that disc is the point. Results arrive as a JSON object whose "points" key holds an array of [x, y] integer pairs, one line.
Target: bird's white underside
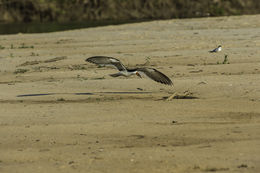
{"points": [[108, 65], [127, 73], [113, 60], [142, 74], [218, 49]]}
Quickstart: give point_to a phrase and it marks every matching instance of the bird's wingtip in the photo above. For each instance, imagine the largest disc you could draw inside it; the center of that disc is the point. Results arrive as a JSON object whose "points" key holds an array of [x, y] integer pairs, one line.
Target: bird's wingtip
{"points": [[90, 59], [87, 59], [170, 84]]}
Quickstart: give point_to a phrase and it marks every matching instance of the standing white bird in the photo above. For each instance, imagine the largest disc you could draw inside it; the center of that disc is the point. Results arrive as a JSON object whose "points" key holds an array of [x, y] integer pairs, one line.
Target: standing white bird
{"points": [[123, 71], [218, 49]]}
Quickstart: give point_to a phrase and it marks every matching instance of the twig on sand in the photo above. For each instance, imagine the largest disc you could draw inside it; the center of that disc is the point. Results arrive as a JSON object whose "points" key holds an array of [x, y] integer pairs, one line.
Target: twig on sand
{"points": [[171, 97], [186, 95]]}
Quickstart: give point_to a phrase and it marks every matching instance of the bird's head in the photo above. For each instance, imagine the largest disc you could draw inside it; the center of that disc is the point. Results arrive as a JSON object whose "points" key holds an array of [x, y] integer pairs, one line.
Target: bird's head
{"points": [[138, 74], [219, 46]]}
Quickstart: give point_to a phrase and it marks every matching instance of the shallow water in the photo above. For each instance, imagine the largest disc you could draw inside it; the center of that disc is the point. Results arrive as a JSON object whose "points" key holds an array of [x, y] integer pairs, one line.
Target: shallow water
{"points": [[14, 28]]}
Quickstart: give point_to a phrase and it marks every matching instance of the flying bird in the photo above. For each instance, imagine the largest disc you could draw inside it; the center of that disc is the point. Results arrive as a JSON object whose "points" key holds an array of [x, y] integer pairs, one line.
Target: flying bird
{"points": [[124, 71], [218, 49]]}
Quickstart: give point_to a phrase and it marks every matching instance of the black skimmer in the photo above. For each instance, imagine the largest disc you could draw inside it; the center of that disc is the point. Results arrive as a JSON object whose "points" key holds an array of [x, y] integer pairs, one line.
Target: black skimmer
{"points": [[123, 71], [218, 49]]}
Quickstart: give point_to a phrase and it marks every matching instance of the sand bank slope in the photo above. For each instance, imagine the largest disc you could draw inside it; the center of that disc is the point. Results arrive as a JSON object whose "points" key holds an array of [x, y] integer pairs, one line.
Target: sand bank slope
{"points": [[69, 130]]}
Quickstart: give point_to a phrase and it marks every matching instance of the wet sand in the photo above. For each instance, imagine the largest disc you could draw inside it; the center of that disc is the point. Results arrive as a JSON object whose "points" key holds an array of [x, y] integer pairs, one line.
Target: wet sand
{"points": [[61, 114]]}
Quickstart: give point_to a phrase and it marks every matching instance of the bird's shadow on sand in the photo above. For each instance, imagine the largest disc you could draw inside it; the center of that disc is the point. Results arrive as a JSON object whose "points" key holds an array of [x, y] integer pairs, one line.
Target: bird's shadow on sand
{"points": [[127, 94], [87, 93]]}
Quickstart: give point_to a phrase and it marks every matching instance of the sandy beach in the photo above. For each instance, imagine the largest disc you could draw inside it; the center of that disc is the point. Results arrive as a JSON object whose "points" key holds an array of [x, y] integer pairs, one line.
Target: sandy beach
{"points": [[59, 113]]}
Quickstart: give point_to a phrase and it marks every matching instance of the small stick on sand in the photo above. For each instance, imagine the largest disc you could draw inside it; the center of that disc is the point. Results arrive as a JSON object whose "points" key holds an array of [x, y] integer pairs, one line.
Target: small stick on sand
{"points": [[178, 96], [171, 97]]}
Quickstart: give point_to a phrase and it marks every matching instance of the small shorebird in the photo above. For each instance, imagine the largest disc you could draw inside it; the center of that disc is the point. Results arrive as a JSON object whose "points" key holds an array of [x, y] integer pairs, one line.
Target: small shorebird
{"points": [[218, 49], [123, 71]]}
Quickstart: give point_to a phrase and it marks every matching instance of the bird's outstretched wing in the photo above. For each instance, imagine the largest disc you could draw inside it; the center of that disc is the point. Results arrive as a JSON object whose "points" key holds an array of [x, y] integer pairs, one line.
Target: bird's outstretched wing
{"points": [[155, 75], [106, 61]]}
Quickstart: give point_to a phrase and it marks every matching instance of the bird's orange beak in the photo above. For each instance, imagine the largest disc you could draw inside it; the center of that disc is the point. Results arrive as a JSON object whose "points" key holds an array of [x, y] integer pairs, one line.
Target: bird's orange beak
{"points": [[138, 74]]}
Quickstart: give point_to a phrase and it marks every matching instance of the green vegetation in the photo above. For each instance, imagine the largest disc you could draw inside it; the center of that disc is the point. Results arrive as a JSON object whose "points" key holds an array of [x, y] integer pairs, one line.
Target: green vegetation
{"points": [[225, 61], [23, 46], [34, 54], [20, 71], [61, 99], [98, 78], [90, 10]]}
